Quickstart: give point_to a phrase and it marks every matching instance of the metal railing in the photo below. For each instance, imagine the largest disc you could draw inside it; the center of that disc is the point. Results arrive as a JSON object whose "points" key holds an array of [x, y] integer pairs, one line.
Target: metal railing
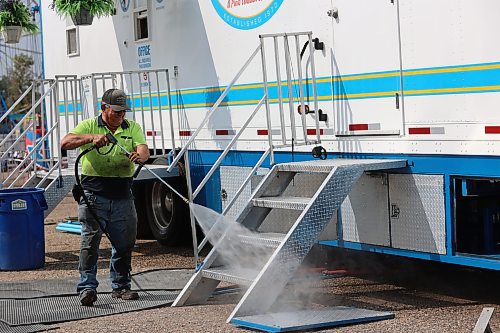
{"points": [[265, 100], [32, 141], [150, 91], [150, 95]]}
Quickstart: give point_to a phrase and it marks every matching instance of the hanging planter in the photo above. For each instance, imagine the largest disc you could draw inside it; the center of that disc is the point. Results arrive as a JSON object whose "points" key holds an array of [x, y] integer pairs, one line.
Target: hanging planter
{"points": [[82, 12], [12, 34], [83, 17], [15, 18]]}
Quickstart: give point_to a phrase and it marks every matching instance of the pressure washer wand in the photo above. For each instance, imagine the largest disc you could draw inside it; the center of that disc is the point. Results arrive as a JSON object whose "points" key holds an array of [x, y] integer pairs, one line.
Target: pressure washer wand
{"points": [[113, 141]]}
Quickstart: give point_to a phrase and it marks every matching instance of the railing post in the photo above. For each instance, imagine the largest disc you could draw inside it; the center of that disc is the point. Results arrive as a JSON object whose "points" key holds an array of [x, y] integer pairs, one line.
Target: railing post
{"points": [[170, 111], [266, 96], [290, 88], [187, 169], [301, 88], [315, 89], [280, 92]]}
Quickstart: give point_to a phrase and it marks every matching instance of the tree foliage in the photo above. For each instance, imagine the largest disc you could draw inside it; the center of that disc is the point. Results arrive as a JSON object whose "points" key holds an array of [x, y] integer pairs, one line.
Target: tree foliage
{"points": [[13, 85]]}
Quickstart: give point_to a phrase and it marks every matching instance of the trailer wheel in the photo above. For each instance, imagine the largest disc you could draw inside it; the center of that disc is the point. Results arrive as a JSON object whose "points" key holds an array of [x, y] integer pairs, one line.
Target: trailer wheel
{"points": [[167, 214]]}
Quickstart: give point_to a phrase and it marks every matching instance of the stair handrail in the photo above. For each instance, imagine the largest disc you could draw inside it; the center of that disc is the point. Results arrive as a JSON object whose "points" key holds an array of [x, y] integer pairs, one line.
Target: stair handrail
{"points": [[238, 192], [29, 127], [228, 148], [211, 111], [28, 155], [13, 106]]}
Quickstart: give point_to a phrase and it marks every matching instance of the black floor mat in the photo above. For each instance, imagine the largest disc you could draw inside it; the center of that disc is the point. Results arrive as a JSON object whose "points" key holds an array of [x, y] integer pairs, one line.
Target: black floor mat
{"points": [[66, 308], [163, 279], [4, 328]]}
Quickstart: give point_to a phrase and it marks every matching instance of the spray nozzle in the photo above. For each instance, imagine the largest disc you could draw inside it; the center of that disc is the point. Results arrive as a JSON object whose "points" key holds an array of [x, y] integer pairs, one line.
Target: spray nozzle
{"points": [[111, 138]]}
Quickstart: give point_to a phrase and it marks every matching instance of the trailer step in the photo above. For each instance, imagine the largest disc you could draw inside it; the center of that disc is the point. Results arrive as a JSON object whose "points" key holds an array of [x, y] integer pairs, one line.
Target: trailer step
{"points": [[242, 277], [325, 166], [271, 239], [295, 203]]}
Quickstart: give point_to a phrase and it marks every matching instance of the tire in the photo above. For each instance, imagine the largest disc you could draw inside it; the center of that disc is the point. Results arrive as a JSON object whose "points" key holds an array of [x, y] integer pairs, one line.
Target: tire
{"points": [[167, 214]]}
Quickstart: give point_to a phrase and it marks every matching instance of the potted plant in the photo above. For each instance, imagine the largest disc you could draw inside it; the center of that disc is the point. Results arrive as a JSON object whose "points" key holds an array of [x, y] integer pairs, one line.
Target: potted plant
{"points": [[15, 17], [82, 12]]}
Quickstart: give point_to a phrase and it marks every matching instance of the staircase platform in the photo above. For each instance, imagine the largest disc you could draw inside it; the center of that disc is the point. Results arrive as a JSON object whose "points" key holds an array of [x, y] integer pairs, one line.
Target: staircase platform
{"points": [[310, 319], [325, 166]]}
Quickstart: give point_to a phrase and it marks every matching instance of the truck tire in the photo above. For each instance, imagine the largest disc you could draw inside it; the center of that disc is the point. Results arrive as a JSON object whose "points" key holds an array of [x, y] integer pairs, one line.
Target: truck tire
{"points": [[167, 214]]}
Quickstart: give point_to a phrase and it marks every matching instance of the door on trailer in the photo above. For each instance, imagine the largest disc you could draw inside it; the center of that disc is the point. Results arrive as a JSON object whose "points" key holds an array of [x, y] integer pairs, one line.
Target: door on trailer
{"points": [[366, 67]]}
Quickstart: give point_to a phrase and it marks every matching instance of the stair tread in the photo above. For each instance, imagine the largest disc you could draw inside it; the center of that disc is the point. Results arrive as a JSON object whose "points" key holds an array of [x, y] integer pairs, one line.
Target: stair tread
{"points": [[269, 239], [298, 203], [239, 276]]}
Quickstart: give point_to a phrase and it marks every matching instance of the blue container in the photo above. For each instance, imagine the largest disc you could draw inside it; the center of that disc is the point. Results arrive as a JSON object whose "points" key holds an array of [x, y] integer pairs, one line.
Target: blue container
{"points": [[22, 242]]}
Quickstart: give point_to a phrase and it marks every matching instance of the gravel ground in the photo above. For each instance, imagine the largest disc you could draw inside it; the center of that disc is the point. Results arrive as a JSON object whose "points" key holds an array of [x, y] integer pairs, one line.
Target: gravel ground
{"points": [[425, 297]]}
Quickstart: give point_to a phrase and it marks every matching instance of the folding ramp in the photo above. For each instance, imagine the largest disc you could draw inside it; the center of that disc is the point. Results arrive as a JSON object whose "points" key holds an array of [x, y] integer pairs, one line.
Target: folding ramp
{"points": [[285, 251]]}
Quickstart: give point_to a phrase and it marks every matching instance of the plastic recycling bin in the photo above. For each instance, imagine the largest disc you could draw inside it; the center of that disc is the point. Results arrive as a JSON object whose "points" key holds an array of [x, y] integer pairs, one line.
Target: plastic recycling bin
{"points": [[22, 241]]}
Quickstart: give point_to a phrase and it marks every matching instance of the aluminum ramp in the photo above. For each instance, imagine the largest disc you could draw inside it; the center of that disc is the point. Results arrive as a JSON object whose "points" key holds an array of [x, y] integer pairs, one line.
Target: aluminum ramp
{"points": [[287, 251]]}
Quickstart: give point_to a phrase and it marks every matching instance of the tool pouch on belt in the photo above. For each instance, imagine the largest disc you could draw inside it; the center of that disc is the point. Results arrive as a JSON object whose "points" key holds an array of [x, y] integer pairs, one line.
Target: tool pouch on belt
{"points": [[77, 193]]}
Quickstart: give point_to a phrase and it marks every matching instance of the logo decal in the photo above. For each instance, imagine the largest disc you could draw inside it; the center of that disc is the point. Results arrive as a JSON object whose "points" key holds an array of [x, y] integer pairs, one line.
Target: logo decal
{"points": [[19, 204], [246, 14], [124, 4]]}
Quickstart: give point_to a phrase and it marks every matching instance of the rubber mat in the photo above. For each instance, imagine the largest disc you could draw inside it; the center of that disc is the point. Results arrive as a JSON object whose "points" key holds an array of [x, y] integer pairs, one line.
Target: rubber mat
{"points": [[150, 280], [4, 328], [66, 308]]}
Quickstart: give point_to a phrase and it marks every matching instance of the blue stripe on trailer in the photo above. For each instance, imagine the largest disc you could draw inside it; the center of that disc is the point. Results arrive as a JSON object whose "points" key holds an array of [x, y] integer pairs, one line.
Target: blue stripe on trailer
{"points": [[465, 79]]}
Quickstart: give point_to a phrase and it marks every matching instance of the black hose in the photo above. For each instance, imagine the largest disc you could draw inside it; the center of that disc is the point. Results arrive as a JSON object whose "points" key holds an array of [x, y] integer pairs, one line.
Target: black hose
{"points": [[94, 214], [82, 193]]}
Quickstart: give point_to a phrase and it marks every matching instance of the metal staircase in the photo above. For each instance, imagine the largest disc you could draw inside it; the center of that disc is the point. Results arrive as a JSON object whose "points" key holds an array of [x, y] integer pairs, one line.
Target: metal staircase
{"points": [[287, 250]]}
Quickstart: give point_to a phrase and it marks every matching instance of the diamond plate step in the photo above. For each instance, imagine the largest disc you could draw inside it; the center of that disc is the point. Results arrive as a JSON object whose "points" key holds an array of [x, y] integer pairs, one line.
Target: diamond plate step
{"points": [[271, 239], [310, 319], [296, 203], [325, 166], [243, 277]]}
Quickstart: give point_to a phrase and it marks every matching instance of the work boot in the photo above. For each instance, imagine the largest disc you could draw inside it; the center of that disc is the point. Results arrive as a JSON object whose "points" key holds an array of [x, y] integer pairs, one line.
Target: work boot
{"points": [[88, 297], [125, 294]]}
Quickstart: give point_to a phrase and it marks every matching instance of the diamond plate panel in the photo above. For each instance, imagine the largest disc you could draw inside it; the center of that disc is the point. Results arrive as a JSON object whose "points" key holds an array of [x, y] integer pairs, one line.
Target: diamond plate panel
{"points": [[329, 164], [272, 240], [365, 212], [304, 233], [330, 232], [418, 213], [54, 194], [231, 179], [241, 277], [310, 319]]}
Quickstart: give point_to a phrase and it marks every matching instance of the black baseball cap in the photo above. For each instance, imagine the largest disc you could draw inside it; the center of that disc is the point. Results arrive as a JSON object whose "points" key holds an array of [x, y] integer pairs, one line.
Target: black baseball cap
{"points": [[116, 99]]}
